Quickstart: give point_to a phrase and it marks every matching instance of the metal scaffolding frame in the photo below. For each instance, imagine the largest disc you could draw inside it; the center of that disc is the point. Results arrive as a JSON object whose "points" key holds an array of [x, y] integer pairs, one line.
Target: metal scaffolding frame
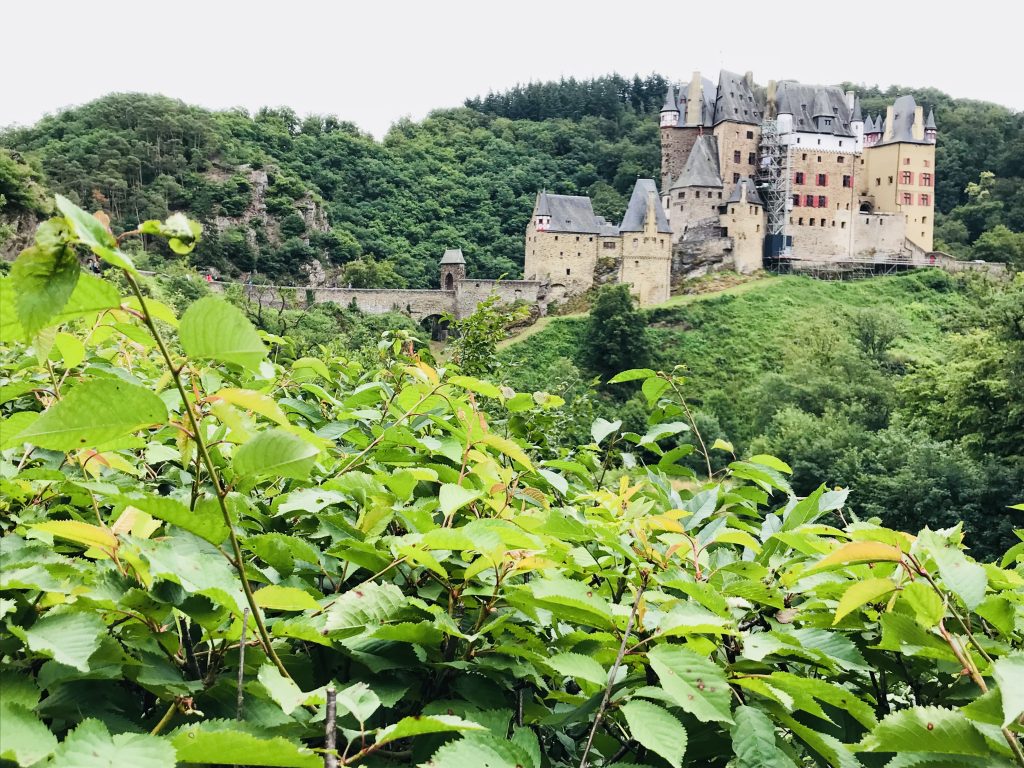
{"points": [[773, 183]]}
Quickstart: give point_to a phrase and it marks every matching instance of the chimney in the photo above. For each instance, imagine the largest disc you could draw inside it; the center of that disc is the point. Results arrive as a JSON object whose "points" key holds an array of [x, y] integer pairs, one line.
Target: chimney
{"points": [[849, 100], [651, 224]]}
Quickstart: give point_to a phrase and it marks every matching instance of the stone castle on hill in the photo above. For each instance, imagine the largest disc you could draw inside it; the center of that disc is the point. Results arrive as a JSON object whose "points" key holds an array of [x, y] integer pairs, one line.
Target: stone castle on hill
{"points": [[787, 176]]}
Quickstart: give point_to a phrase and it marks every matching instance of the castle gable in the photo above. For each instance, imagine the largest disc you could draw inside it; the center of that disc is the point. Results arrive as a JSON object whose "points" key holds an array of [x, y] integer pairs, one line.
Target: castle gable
{"points": [[569, 213], [702, 167], [636, 212], [735, 101], [904, 111]]}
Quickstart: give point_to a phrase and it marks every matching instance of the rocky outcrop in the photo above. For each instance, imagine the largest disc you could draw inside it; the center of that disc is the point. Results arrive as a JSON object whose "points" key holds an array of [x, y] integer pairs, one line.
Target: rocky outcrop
{"points": [[17, 231]]}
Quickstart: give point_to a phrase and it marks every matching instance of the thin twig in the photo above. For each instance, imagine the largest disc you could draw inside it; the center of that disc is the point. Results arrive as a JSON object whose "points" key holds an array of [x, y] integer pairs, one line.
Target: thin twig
{"points": [[644, 575], [168, 715], [331, 729], [241, 665]]}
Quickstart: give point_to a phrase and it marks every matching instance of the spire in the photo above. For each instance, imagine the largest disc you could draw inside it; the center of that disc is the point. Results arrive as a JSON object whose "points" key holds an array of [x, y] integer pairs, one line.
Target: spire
{"points": [[670, 100], [858, 117], [929, 124]]}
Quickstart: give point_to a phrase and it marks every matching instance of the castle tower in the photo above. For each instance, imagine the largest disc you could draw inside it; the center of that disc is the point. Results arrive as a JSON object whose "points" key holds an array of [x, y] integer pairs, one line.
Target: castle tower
{"points": [[453, 269], [742, 219], [646, 246], [698, 191], [856, 120], [931, 132], [670, 111]]}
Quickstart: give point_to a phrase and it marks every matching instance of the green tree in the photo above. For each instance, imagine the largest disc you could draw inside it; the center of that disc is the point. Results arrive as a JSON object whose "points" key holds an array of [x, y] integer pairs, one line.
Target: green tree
{"points": [[616, 333], [370, 273], [474, 340], [1000, 244]]}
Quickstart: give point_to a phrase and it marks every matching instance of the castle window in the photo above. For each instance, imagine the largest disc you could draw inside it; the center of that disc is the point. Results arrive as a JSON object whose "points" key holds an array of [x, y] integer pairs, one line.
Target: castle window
{"points": [[751, 158], [833, 223], [733, 209], [636, 241], [736, 156], [637, 263], [927, 163], [681, 196], [561, 253], [609, 244], [719, 195], [828, 121], [590, 239], [878, 182], [796, 201], [801, 221], [926, 179], [822, 179], [890, 179], [799, 177], [798, 141], [556, 237], [842, 225], [924, 219], [697, 194], [840, 159], [750, 134], [822, 201], [840, 144], [906, 161], [819, 158], [809, 201], [735, 178], [819, 144], [925, 200], [804, 156], [568, 271], [812, 222], [577, 238], [848, 181], [758, 228], [907, 177], [823, 222], [908, 199]]}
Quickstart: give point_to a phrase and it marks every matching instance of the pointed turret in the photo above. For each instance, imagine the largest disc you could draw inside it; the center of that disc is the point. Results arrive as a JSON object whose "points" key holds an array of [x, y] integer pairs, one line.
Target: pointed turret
{"points": [[931, 131], [857, 116], [670, 110]]}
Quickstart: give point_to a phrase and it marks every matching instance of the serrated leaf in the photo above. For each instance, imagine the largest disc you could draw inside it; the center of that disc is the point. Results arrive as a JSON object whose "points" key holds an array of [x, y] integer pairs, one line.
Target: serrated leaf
{"points": [[70, 638], [219, 743], [926, 729], [579, 666], [771, 462], [653, 388], [657, 729], [278, 598], [964, 578], [90, 745], [633, 374], [484, 388], [479, 751], [601, 428], [753, 741], [508, 447], [362, 607], [95, 412], [694, 683], [1008, 672], [453, 497], [43, 278], [23, 737], [276, 452], [359, 701], [854, 552], [285, 693], [212, 329], [78, 532], [860, 593], [423, 724], [205, 521], [926, 604], [253, 401]]}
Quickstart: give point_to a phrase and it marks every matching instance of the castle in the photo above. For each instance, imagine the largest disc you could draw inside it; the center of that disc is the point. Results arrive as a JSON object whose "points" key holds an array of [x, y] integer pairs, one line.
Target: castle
{"points": [[789, 176]]}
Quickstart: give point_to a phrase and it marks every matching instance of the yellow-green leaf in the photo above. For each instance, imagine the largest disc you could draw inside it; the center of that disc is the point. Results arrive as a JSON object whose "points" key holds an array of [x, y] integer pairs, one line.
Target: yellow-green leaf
{"points": [[78, 532], [278, 598], [860, 552], [860, 593]]}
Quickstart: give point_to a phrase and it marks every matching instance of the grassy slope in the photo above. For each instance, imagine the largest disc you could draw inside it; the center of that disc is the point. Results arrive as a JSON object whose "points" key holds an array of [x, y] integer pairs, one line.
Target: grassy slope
{"points": [[731, 338]]}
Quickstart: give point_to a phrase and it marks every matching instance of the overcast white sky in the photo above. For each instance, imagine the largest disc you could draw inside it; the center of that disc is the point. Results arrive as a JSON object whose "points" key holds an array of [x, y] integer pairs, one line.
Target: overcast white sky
{"points": [[375, 61]]}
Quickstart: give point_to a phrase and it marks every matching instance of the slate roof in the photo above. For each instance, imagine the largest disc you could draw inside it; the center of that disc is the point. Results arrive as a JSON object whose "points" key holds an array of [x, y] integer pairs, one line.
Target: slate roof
{"points": [[569, 213], [930, 122], [735, 100], [869, 125], [803, 102], [751, 189], [903, 110], [670, 100], [858, 116], [453, 256], [702, 167], [636, 212]]}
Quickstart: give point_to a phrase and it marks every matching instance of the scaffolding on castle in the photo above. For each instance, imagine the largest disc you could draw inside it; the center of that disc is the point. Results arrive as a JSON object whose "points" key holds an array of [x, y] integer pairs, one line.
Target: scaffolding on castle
{"points": [[845, 268], [773, 185]]}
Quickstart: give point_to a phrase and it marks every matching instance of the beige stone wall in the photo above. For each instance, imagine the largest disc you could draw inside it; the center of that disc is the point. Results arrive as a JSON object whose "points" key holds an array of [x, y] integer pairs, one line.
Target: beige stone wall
{"points": [[828, 231], [647, 265], [879, 234], [885, 187], [676, 144], [744, 225], [559, 258], [733, 138], [690, 205]]}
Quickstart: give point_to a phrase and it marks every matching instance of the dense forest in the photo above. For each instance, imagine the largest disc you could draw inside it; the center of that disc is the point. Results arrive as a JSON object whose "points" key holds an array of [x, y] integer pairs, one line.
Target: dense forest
{"points": [[276, 190]]}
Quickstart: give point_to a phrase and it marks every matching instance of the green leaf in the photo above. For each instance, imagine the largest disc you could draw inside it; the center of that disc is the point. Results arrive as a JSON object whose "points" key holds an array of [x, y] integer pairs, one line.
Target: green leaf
{"points": [[964, 578], [43, 279], [220, 743], [364, 606], [657, 729], [579, 666], [926, 729], [91, 294], [855, 552], [70, 638], [95, 412], [654, 388], [206, 521], [71, 351], [453, 497], [723, 445], [925, 602], [480, 751], [285, 693], [601, 428], [90, 745], [278, 598], [771, 462], [633, 374], [276, 452], [212, 329], [23, 738], [1008, 672], [753, 741], [359, 701], [861, 592], [87, 228], [484, 388], [694, 683], [79, 532], [423, 724]]}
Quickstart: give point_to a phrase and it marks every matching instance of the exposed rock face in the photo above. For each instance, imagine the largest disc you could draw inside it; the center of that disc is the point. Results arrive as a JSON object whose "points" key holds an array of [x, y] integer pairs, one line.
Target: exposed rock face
{"points": [[702, 250], [22, 226]]}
